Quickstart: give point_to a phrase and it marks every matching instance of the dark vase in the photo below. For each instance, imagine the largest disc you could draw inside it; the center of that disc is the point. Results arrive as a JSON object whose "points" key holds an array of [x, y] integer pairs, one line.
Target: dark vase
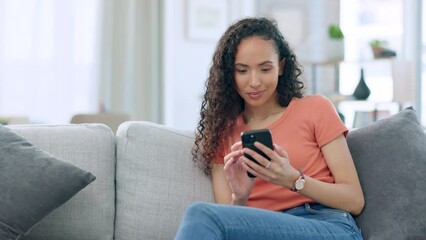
{"points": [[362, 91]]}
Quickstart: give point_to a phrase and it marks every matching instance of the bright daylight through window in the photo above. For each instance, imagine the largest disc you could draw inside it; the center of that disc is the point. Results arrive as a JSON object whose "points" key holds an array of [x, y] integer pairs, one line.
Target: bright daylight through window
{"points": [[48, 58]]}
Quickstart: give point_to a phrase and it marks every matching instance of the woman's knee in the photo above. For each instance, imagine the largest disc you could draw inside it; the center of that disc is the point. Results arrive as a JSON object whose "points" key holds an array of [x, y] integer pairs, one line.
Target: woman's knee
{"points": [[199, 220], [203, 216], [199, 210]]}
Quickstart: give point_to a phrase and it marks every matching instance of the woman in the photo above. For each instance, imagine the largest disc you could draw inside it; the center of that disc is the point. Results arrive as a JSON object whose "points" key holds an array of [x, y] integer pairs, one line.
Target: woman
{"points": [[309, 189]]}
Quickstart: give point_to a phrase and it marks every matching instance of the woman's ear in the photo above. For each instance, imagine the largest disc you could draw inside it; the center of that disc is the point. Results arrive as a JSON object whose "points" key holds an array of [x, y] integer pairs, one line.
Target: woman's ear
{"points": [[282, 64]]}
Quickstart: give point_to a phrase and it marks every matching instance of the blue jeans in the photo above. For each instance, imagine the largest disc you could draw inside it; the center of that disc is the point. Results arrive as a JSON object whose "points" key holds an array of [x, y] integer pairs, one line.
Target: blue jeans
{"points": [[309, 221]]}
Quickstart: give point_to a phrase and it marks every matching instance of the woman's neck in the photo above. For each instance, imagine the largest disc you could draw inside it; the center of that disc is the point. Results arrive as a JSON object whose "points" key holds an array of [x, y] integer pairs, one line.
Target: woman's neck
{"points": [[262, 114]]}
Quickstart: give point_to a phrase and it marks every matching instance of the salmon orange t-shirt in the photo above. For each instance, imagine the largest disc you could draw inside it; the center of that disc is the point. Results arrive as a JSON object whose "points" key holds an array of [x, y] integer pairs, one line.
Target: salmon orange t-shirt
{"points": [[306, 125]]}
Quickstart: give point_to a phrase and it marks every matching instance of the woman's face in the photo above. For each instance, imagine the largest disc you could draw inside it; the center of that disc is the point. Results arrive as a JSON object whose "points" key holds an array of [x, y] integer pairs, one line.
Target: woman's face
{"points": [[257, 68]]}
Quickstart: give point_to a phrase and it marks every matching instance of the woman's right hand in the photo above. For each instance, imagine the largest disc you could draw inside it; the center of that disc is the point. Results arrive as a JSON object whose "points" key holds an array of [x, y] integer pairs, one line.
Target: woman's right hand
{"points": [[241, 185]]}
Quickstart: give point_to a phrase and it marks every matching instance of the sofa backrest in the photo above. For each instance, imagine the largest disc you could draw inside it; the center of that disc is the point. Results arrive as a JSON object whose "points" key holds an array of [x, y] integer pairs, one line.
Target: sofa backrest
{"points": [[90, 213], [156, 180]]}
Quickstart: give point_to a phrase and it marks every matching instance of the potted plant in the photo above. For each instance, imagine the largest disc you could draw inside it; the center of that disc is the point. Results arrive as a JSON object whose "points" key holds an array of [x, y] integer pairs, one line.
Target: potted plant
{"points": [[336, 47], [380, 49], [326, 47], [334, 32]]}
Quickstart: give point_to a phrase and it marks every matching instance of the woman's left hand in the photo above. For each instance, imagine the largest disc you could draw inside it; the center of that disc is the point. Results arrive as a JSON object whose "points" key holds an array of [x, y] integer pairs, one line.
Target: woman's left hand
{"points": [[277, 171]]}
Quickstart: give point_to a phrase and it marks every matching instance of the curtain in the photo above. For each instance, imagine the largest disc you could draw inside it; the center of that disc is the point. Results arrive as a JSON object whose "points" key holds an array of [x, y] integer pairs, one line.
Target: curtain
{"points": [[49, 58], [130, 80]]}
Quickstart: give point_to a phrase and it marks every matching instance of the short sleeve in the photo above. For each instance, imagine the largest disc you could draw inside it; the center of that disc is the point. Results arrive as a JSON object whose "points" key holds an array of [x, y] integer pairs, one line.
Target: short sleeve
{"points": [[219, 155], [225, 147], [326, 121]]}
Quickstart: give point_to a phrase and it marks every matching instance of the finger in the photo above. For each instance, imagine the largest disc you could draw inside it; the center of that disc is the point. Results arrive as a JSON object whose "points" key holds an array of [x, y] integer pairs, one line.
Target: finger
{"points": [[229, 163], [236, 146], [253, 154], [268, 165], [260, 158], [231, 155], [235, 156], [266, 150], [258, 167], [248, 168], [280, 151], [257, 170]]}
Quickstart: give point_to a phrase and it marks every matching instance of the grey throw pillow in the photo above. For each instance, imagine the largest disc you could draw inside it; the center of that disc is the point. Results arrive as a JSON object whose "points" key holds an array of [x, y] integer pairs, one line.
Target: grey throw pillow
{"points": [[390, 157], [32, 184]]}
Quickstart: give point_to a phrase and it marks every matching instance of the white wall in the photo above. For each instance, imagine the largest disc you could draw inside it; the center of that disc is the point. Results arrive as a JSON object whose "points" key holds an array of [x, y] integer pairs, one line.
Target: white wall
{"points": [[186, 61], [304, 24]]}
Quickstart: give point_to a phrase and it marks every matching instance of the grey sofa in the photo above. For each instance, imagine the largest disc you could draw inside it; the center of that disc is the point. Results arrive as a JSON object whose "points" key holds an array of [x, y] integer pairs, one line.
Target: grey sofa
{"points": [[145, 178]]}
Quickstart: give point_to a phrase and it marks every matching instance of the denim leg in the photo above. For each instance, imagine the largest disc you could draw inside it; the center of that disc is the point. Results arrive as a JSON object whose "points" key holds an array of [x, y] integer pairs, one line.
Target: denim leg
{"points": [[311, 221]]}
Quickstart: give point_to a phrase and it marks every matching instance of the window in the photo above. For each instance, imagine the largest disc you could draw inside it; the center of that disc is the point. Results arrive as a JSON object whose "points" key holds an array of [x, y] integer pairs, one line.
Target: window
{"points": [[364, 21], [391, 80], [48, 58]]}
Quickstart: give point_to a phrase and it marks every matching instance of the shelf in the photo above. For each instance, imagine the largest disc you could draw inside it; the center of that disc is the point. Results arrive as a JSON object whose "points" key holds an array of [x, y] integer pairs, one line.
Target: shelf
{"points": [[314, 68], [359, 113]]}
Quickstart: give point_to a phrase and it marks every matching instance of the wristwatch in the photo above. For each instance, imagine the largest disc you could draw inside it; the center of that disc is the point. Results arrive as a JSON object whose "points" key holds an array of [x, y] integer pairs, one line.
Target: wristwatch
{"points": [[299, 184]]}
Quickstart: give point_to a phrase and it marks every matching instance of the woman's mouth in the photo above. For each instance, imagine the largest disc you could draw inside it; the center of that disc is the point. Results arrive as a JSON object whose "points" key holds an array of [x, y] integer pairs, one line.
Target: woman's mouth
{"points": [[255, 95]]}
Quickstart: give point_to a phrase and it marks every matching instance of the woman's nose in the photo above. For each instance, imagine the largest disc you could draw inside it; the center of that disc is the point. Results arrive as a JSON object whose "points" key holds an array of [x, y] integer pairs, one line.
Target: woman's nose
{"points": [[254, 80]]}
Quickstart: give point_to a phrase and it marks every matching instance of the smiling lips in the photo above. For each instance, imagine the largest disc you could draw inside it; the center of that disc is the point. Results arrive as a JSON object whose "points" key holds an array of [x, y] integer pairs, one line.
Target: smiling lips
{"points": [[255, 95]]}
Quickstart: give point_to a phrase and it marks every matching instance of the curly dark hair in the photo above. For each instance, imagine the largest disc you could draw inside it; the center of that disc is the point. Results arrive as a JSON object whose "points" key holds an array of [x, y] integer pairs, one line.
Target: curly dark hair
{"points": [[222, 104]]}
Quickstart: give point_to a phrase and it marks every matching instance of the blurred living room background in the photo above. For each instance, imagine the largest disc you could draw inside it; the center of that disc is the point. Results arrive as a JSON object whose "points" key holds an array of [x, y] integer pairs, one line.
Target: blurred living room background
{"points": [[147, 60]]}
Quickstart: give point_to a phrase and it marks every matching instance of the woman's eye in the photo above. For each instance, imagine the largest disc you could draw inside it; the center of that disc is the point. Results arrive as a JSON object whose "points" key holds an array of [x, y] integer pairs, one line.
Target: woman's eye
{"points": [[241, 70], [266, 70]]}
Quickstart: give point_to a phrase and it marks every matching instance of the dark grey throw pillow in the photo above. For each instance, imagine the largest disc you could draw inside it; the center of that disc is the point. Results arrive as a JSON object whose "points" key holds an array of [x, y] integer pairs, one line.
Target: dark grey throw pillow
{"points": [[390, 157], [32, 184]]}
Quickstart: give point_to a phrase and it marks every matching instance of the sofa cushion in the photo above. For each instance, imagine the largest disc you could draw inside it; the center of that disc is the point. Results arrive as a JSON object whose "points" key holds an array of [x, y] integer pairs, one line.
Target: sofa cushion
{"points": [[156, 180], [390, 157], [90, 213], [32, 184]]}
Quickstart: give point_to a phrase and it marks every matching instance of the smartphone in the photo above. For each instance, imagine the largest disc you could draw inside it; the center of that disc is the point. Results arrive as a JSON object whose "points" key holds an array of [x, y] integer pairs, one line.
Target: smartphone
{"points": [[263, 136]]}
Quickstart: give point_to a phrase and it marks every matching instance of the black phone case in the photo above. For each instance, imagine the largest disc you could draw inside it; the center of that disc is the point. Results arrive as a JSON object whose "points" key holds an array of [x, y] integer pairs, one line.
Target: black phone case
{"points": [[263, 136]]}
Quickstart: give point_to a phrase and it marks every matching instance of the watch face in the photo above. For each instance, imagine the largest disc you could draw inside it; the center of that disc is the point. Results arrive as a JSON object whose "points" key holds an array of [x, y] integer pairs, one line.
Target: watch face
{"points": [[300, 183]]}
